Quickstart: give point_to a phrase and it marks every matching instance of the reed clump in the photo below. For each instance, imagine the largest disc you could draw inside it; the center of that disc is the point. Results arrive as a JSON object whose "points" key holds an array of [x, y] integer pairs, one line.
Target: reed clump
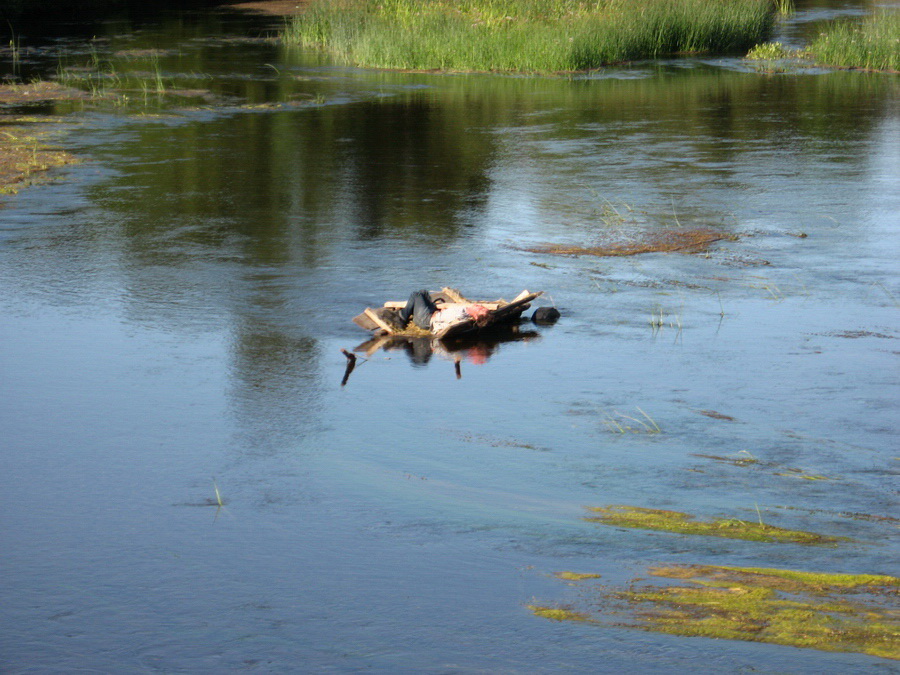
{"points": [[873, 44], [525, 35]]}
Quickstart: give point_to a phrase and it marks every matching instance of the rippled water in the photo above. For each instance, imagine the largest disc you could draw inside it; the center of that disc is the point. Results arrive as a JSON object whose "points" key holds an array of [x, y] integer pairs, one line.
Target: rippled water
{"points": [[172, 314]]}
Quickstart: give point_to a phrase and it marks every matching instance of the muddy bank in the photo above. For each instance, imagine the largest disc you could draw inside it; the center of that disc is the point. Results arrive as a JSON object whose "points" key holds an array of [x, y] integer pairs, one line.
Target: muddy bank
{"points": [[26, 158]]}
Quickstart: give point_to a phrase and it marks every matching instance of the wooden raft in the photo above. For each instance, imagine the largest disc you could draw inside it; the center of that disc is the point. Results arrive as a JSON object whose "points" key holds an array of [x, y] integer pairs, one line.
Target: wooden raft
{"points": [[386, 320]]}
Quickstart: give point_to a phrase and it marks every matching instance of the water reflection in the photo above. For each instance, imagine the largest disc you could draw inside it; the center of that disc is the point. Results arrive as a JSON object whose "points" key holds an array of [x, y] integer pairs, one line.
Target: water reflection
{"points": [[477, 350], [183, 299]]}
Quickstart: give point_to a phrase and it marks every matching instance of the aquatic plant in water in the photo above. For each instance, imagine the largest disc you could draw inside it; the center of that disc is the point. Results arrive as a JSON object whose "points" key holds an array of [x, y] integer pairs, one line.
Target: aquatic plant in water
{"points": [[663, 240], [529, 36], [826, 611], [682, 523], [873, 44]]}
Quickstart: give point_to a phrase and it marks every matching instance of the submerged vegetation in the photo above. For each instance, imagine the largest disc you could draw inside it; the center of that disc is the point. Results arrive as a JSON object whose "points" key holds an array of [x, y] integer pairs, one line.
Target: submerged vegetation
{"points": [[830, 612], [25, 156], [529, 36], [693, 240], [683, 523]]}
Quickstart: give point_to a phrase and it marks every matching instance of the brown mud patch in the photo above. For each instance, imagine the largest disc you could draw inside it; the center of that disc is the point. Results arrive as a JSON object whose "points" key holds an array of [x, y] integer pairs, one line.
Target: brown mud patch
{"points": [[25, 156], [38, 92], [270, 7], [693, 240]]}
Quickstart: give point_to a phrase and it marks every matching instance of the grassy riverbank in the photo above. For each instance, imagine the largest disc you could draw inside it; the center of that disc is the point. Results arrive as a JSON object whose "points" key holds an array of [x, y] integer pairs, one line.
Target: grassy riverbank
{"points": [[526, 35], [873, 44]]}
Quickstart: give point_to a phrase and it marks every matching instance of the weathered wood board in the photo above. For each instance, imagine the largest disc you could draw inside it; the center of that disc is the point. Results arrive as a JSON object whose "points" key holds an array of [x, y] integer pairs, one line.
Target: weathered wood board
{"points": [[384, 320]]}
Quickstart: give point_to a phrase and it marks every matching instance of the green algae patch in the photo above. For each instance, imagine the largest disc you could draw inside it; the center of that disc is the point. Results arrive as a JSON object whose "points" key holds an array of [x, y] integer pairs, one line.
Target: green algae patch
{"points": [[683, 523], [558, 613], [791, 581], [750, 604], [575, 576], [813, 610]]}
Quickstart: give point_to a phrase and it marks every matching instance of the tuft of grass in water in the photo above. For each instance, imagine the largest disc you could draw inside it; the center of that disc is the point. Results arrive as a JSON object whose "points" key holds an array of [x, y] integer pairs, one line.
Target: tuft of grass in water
{"points": [[784, 7], [769, 51], [218, 496], [682, 523], [619, 423], [873, 44], [525, 35]]}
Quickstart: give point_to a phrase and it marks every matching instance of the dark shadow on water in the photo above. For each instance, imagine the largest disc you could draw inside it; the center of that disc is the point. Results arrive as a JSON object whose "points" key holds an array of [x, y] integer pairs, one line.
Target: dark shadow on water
{"points": [[476, 350]]}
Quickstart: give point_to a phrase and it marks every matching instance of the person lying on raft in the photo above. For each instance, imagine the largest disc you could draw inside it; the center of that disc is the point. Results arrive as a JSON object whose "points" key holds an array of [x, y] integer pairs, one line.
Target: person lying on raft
{"points": [[427, 315]]}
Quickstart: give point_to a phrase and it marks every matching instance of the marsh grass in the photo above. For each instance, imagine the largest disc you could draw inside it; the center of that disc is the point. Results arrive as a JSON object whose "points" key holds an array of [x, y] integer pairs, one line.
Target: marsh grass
{"points": [[873, 44], [104, 82], [622, 424], [525, 36]]}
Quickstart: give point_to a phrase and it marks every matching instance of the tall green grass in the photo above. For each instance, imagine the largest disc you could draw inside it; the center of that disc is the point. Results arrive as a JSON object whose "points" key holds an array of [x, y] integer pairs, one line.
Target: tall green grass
{"points": [[873, 44], [526, 35]]}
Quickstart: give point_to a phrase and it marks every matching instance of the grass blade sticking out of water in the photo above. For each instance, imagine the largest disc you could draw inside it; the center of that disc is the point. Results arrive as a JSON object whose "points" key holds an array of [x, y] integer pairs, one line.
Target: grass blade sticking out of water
{"points": [[682, 523], [526, 36]]}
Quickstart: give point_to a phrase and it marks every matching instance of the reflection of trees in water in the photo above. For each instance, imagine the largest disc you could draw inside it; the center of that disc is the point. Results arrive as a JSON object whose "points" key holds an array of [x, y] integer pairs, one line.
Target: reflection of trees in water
{"points": [[274, 378], [245, 219]]}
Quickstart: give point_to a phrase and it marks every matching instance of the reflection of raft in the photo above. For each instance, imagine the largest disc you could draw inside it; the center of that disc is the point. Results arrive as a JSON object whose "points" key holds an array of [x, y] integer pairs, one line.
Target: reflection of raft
{"points": [[386, 319]]}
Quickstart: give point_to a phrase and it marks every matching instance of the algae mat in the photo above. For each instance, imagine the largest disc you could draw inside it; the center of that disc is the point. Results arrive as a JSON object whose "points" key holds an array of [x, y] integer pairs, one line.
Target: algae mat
{"points": [[830, 612]]}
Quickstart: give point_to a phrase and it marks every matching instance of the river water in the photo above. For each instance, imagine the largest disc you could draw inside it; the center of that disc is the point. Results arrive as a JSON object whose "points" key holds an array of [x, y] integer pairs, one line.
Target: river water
{"points": [[172, 313]]}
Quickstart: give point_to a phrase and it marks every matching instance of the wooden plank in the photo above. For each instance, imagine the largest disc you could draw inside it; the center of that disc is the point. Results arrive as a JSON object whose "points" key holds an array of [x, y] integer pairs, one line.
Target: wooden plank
{"points": [[364, 322], [519, 305], [504, 313], [455, 295], [378, 321], [396, 304]]}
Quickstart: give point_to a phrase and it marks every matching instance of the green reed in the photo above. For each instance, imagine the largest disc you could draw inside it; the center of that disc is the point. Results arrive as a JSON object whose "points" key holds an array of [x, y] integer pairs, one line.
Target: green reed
{"points": [[873, 44], [526, 35]]}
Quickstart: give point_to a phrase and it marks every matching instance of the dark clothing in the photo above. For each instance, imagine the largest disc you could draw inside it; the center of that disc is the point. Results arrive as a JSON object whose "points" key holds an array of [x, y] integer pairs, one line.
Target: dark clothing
{"points": [[421, 307]]}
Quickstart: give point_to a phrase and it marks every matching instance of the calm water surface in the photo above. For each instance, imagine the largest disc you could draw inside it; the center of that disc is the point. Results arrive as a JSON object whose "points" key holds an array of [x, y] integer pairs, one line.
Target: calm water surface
{"points": [[172, 314]]}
